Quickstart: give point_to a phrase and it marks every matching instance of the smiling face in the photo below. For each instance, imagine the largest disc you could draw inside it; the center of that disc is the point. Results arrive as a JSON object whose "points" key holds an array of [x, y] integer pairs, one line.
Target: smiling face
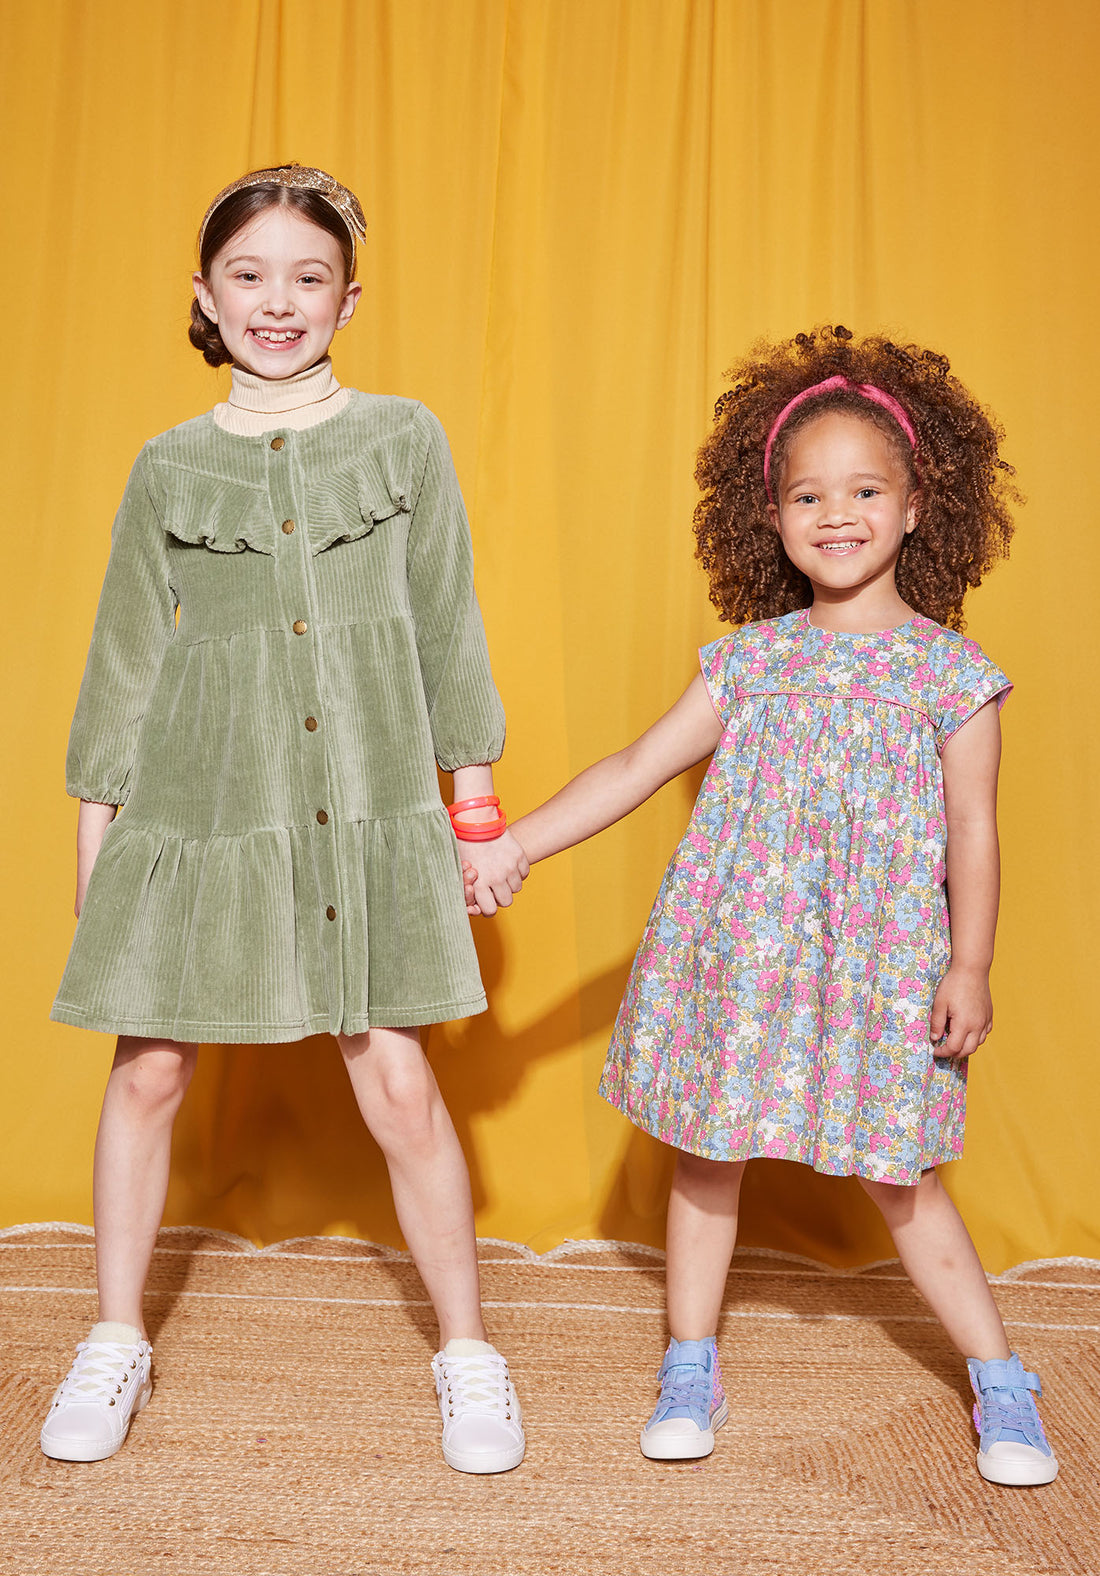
{"points": [[844, 508], [278, 293]]}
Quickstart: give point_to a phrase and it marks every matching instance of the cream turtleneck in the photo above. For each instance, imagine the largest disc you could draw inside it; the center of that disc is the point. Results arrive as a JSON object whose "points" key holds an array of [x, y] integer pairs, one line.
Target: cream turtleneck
{"points": [[256, 405]]}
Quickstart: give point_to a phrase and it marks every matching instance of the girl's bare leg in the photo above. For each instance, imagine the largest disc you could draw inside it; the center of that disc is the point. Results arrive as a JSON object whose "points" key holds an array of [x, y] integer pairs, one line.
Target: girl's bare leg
{"points": [[935, 1248], [404, 1110], [700, 1239], [147, 1082]]}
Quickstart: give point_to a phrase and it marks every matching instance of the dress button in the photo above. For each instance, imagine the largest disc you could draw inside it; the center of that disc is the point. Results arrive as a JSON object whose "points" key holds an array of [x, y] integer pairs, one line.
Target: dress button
{"points": [[299, 626], [288, 526], [330, 912], [322, 816], [277, 443], [311, 724]]}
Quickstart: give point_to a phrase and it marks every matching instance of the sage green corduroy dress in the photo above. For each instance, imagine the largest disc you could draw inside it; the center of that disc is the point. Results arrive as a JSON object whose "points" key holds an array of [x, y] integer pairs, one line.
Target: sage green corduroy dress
{"points": [[283, 863]]}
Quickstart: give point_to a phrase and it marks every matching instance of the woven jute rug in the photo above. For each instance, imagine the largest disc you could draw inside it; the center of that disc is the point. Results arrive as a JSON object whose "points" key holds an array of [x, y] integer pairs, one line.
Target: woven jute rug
{"points": [[293, 1431]]}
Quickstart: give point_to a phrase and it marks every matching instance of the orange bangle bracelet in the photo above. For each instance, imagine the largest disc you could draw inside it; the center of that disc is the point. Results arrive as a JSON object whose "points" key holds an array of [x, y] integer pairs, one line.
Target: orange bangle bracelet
{"points": [[477, 831], [473, 804]]}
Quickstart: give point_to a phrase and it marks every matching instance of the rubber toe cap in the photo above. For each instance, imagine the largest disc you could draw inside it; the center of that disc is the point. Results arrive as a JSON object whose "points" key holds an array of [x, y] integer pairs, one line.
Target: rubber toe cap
{"points": [[1007, 1461], [80, 1433], [676, 1439], [484, 1444]]}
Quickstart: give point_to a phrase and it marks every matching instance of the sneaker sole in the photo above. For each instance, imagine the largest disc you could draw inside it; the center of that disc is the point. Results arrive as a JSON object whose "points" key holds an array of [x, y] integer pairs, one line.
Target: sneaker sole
{"points": [[685, 1448], [482, 1461], [1018, 1474], [87, 1449]]}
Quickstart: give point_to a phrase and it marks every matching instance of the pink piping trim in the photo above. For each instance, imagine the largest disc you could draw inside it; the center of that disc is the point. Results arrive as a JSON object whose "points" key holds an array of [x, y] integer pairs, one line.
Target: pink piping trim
{"points": [[884, 700], [1000, 696]]}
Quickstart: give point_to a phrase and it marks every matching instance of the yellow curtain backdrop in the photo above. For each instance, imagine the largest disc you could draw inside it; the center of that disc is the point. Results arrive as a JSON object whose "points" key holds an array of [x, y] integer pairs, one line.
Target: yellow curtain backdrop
{"points": [[580, 211]]}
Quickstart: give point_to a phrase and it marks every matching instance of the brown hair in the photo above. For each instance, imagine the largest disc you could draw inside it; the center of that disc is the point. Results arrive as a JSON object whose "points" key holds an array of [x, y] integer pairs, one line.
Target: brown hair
{"points": [[230, 217], [966, 488]]}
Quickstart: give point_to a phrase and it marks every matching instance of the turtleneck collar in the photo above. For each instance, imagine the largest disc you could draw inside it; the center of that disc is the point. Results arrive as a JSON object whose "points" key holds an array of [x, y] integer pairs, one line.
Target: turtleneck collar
{"points": [[249, 392], [256, 405]]}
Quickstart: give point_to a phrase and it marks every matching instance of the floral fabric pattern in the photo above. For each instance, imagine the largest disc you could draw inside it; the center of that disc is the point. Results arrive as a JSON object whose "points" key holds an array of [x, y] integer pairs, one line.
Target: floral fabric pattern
{"points": [[779, 1001]]}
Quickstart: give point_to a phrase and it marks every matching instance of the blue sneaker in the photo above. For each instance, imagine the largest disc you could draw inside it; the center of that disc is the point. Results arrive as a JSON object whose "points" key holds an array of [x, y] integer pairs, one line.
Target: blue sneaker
{"points": [[692, 1404], [1013, 1446]]}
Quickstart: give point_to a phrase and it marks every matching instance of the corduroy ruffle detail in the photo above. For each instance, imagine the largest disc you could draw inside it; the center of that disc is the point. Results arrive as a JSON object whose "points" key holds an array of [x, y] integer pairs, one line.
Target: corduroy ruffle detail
{"points": [[226, 519]]}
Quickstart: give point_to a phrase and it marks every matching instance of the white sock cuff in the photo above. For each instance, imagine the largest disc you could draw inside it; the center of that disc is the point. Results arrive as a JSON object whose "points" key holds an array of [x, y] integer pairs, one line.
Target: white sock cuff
{"points": [[464, 1346], [114, 1333]]}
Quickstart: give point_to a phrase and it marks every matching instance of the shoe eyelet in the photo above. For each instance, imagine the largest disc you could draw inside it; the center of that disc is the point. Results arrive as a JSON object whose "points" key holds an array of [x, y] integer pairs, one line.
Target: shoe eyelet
{"points": [[126, 1379], [134, 1363], [111, 1402]]}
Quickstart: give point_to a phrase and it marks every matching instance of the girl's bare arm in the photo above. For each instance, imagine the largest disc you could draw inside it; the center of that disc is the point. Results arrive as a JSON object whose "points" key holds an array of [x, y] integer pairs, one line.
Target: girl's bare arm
{"points": [[963, 1007], [92, 821], [610, 789]]}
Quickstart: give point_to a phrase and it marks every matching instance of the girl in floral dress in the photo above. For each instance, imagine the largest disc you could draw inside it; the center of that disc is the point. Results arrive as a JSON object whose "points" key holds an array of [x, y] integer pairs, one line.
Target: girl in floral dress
{"points": [[800, 991]]}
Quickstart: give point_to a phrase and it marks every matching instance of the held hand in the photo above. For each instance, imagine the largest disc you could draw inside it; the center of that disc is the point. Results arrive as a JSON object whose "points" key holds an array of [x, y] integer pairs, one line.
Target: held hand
{"points": [[962, 1013], [499, 873]]}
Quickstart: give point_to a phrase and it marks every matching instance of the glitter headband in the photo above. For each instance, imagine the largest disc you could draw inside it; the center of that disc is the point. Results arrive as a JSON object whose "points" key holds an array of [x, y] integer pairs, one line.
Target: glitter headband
{"points": [[303, 178], [868, 390]]}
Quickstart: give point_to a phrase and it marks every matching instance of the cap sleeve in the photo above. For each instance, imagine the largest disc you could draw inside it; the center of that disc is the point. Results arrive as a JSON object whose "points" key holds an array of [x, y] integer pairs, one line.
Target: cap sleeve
{"points": [[966, 680], [720, 662]]}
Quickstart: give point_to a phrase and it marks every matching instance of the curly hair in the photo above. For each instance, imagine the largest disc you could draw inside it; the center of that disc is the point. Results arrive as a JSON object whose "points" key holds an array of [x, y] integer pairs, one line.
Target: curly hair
{"points": [[965, 487]]}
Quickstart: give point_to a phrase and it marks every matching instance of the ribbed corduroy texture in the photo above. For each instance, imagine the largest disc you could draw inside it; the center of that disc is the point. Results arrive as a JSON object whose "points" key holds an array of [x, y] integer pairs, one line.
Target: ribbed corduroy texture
{"points": [[283, 863]]}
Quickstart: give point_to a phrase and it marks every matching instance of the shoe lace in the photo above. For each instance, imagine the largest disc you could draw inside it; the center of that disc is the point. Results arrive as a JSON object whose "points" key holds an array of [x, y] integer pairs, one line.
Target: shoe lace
{"points": [[477, 1384], [685, 1385], [1008, 1411], [100, 1369]]}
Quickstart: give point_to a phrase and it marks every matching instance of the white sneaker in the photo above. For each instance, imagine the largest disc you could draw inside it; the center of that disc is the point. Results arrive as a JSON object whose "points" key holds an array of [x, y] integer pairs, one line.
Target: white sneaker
{"points": [[482, 1421], [108, 1382]]}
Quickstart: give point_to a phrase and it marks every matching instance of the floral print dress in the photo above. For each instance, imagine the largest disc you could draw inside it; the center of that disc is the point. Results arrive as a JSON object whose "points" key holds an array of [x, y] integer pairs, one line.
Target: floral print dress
{"points": [[780, 999]]}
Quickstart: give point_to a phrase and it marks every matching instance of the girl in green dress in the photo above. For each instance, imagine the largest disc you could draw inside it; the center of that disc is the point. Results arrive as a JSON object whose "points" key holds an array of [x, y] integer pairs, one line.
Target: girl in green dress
{"points": [[287, 645]]}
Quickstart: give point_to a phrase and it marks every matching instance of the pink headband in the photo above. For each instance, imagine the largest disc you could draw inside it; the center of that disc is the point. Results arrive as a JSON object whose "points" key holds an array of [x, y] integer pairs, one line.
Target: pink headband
{"points": [[838, 381]]}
